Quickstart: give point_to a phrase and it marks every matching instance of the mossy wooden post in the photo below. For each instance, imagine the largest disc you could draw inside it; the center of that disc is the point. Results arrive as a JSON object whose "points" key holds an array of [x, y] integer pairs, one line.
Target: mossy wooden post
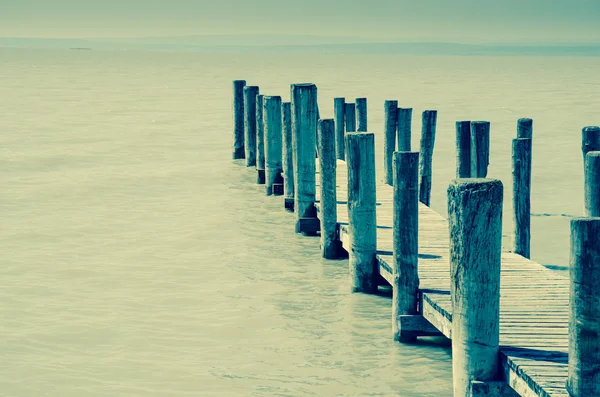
{"points": [[304, 134], [590, 140], [525, 128], [521, 171], [389, 139], [480, 148], [287, 156], [584, 315], [406, 251], [404, 129], [475, 226], [260, 140], [350, 117], [592, 184], [362, 223], [463, 149], [273, 141], [250, 93], [361, 114], [339, 111], [426, 155], [238, 119], [330, 244]]}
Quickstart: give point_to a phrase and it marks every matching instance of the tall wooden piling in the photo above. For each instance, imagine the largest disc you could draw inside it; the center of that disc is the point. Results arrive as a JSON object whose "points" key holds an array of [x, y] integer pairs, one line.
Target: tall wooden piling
{"points": [[521, 171], [260, 140], [287, 156], [480, 148], [426, 154], [584, 315], [525, 128], [273, 143], [463, 149], [339, 111], [475, 226], [360, 157], [405, 231], [304, 133], [590, 140], [238, 119], [592, 184], [250, 93], [328, 205], [350, 117], [389, 139], [404, 129], [361, 114]]}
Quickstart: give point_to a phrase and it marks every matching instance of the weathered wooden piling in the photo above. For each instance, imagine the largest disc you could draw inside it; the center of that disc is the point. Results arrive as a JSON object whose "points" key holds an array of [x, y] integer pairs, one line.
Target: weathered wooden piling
{"points": [[592, 184], [350, 117], [273, 142], [389, 139], [361, 114], [521, 171], [287, 156], [304, 134], [584, 315], [463, 149], [360, 157], [330, 244], [339, 111], [426, 154], [480, 148], [404, 129], [525, 128], [238, 119], [250, 93], [590, 140], [475, 226], [260, 140], [406, 248]]}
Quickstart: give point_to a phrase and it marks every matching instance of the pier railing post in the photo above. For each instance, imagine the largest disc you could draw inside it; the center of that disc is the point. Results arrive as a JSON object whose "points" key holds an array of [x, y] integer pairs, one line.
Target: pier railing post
{"points": [[480, 148], [330, 243], [404, 129], [339, 110], [592, 184], [521, 171], [475, 226], [287, 156], [426, 155], [260, 140], [361, 114], [525, 128], [304, 135], [238, 119], [584, 316], [273, 133], [463, 149], [362, 224], [389, 139], [350, 117], [250, 93], [590, 140], [405, 243]]}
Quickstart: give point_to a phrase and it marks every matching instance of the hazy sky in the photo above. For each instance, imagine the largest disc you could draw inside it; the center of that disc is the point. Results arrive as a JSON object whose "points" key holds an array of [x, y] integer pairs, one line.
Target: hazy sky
{"points": [[451, 20]]}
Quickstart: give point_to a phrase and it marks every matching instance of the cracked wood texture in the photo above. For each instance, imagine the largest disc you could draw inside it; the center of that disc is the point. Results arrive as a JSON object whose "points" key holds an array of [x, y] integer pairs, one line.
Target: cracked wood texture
{"points": [[328, 200], [480, 148]]}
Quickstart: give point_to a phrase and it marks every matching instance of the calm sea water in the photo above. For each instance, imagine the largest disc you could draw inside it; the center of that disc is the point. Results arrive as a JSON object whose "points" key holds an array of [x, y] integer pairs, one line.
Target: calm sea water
{"points": [[139, 260]]}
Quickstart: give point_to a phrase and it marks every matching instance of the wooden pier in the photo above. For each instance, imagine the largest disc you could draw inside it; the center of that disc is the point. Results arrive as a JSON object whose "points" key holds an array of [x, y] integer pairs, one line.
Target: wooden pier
{"points": [[519, 328]]}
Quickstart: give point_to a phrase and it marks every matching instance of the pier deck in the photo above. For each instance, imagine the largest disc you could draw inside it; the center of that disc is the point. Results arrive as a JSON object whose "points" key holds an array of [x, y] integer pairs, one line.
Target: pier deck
{"points": [[534, 303]]}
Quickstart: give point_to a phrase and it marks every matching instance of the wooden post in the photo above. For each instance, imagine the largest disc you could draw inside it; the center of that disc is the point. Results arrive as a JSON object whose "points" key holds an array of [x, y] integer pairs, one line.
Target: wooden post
{"points": [[361, 114], [475, 225], [339, 109], [590, 140], [406, 247], [238, 119], [360, 156], [304, 133], [260, 140], [480, 148], [584, 315], [404, 129], [521, 171], [426, 155], [330, 244], [592, 184], [273, 135], [525, 128], [389, 139], [287, 156], [350, 117], [250, 93], [463, 149]]}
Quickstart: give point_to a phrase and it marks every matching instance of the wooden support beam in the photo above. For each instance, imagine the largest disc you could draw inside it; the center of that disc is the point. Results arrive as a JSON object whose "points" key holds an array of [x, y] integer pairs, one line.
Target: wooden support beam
{"points": [[521, 172], [361, 114], [404, 129], [250, 93], [340, 126], [411, 326], [238, 119], [463, 149], [273, 133], [426, 155], [592, 183], [260, 139], [287, 160], [492, 389], [390, 109], [350, 117], [480, 148]]}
